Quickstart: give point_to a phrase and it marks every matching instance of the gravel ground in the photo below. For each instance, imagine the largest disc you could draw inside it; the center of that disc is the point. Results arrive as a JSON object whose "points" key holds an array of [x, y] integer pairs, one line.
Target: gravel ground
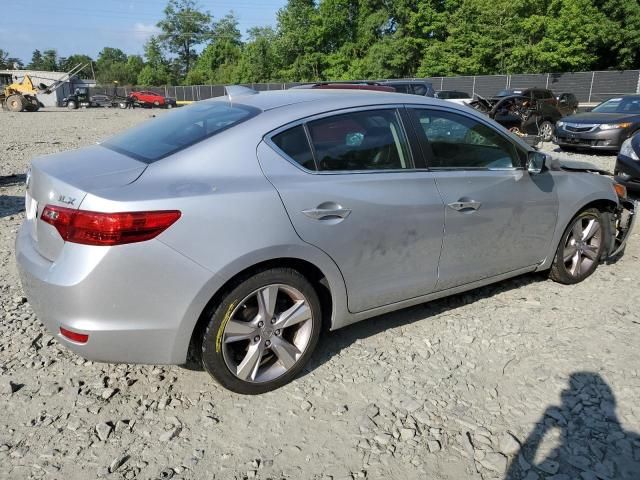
{"points": [[525, 379]]}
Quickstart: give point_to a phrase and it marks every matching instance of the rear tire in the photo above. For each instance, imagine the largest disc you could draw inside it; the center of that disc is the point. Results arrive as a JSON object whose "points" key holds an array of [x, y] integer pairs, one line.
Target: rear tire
{"points": [[581, 248], [263, 332], [15, 103]]}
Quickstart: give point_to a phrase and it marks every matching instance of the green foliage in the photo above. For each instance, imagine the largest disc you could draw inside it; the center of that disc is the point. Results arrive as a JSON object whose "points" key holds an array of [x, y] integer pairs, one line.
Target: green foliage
{"points": [[46, 61], [183, 28], [65, 64]]}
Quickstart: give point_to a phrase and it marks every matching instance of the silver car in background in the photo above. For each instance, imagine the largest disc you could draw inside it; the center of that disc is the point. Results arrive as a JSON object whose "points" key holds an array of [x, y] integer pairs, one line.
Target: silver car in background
{"points": [[234, 229]]}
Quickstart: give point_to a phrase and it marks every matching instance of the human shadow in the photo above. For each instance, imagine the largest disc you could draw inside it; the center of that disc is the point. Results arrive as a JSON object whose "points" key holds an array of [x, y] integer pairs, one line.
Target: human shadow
{"points": [[10, 205], [579, 439]]}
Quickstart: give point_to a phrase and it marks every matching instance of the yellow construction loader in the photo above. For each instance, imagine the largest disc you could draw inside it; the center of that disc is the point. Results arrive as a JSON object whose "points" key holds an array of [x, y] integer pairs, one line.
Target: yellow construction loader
{"points": [[22, 96]]}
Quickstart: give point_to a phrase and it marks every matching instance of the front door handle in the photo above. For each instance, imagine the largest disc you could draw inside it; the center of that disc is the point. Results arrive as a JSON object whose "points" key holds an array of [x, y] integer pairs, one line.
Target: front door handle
{"points": [[327, 213], [465, 205]]}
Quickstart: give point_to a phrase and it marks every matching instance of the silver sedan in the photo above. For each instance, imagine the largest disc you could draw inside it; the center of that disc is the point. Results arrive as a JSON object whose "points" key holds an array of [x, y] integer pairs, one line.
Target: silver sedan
{"points": [[233, 230]]}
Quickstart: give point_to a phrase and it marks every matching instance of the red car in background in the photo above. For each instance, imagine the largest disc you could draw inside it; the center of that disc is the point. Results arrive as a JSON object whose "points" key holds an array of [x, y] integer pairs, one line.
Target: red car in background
{"points": [[152, 99]]}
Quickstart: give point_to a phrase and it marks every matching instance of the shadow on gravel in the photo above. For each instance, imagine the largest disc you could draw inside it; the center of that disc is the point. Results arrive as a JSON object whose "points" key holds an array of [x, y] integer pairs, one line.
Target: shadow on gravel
{"points": [[331, 343], [10, 205], [591, 444], [11, 180]]}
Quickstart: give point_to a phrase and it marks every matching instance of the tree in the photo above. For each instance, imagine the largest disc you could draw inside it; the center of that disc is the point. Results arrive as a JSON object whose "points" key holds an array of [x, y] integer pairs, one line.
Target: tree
{"points": [[8, 62], [156, 70], [259, 60], [112, 66], [298, 41], [183, 28], [46, 61], [67, 63], [219, 60]]}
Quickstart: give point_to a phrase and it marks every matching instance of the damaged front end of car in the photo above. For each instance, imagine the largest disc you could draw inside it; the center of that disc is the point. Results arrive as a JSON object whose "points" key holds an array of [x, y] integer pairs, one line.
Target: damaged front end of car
{"points": [[622, 222]]}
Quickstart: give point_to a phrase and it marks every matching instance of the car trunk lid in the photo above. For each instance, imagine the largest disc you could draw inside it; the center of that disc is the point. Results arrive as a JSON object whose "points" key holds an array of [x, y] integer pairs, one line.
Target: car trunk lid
{"points": [[64, 179]]}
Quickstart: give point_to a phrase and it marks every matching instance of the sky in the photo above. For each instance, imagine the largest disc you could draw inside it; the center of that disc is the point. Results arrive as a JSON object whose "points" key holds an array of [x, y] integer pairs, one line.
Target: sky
{"points": [[75, 26]]}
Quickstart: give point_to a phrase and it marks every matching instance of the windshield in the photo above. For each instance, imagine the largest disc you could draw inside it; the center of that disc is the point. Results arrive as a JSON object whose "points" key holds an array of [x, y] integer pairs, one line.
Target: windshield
{"points": [[172, 132], [619, 105]]}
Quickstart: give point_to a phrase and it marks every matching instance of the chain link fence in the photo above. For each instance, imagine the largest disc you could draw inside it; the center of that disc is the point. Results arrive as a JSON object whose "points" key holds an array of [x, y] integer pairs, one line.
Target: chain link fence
{"points": [[589, 87]]}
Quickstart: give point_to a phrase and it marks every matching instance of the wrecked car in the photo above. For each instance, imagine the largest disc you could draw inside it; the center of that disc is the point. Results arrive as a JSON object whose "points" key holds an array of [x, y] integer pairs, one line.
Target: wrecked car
{"points": [[521, 114]]}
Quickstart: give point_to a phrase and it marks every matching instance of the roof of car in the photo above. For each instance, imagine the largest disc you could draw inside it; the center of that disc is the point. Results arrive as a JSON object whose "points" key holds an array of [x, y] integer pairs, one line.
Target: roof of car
{"points": [[330, 98]]}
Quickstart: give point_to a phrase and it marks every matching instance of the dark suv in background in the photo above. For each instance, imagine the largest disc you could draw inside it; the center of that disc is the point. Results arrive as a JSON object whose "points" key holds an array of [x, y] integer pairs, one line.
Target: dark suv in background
{"points": [[413, 87]]}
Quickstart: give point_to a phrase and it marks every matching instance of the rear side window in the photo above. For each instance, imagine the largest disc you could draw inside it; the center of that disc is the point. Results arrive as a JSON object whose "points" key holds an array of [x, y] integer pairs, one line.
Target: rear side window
{"points": [[182, 128], [368, 140], [294, 143]]}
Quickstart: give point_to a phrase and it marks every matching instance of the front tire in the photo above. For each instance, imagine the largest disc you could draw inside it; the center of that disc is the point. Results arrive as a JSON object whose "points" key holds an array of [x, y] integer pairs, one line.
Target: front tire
{"points": [[263, 332], [71, 105], [580, 249]]}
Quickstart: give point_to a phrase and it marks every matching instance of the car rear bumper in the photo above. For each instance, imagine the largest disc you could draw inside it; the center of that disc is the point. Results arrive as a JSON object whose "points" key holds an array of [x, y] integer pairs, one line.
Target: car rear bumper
{"points": [[598, 140], [132, 300]]}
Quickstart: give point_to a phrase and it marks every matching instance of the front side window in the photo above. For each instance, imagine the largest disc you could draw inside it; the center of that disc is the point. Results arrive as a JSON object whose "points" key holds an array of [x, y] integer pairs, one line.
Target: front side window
{"points": [[457, 141], [367, 140]]}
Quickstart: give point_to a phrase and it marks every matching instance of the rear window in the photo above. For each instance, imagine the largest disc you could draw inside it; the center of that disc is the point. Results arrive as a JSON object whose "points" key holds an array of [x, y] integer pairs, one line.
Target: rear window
{"points": [[172, 132]]}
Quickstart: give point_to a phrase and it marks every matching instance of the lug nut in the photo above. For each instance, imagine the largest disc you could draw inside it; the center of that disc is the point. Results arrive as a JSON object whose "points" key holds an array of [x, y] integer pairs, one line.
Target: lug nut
{"points": [[273, 320], [260, 324], [277, 332], [256, 338], [267, 343]]}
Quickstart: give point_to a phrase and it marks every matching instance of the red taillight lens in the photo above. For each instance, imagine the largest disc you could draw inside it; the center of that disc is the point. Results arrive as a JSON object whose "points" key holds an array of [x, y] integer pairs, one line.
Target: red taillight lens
{"points": [[74, 336], [97, 228]]}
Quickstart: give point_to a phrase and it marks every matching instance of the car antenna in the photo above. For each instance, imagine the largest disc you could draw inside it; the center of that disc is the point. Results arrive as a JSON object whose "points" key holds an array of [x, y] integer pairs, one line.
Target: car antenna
{"points": [[233, 91]]}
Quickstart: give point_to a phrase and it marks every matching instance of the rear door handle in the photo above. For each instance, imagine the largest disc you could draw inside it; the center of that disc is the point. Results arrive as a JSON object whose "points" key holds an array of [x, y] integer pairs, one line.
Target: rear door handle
{"points": [[462, 206], [327, 213]]}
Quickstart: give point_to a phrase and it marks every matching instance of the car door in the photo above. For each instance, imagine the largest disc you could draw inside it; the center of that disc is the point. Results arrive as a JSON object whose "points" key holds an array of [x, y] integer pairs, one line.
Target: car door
{"points": [[348, 184], [498, 218]]}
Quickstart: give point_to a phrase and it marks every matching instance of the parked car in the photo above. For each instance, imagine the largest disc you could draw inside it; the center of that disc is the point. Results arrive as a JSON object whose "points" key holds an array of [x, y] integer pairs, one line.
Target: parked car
{"points": [[413, 87], [521, 115], [605, 127], [461, 98], [152, 99], [627, 169], [345, 86], [235, 227], [566, 103]]}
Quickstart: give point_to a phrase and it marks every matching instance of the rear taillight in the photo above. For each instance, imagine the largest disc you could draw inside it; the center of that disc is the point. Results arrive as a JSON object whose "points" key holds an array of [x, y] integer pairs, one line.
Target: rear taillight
{"points": [[97, 228]]}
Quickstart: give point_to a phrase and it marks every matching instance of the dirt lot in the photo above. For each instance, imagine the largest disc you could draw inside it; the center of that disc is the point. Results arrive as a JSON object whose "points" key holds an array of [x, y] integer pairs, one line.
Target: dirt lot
{"points": [[525, 379]]}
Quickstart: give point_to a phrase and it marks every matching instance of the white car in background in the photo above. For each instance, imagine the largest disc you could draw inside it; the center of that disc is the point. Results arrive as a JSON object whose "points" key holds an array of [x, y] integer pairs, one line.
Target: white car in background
{"points": [[455, 96]]}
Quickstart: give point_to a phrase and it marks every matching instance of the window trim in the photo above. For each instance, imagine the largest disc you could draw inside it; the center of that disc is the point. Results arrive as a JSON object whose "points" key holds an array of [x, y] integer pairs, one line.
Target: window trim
{"points": [[427, 153], [396, 108]]}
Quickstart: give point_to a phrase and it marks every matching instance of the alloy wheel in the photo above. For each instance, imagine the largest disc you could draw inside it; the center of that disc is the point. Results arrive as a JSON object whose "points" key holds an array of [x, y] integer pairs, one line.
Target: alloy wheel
{"points": [[546, 131], [582, 247], [267, 333]]}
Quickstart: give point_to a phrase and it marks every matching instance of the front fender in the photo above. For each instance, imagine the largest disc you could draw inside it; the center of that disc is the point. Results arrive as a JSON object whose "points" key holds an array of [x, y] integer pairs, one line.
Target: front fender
{"points": [[577, 190]]}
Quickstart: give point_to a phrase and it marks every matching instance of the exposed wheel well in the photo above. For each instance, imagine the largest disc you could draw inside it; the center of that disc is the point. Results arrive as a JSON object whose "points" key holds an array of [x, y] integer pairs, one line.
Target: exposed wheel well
{"points": [[312, 273]]}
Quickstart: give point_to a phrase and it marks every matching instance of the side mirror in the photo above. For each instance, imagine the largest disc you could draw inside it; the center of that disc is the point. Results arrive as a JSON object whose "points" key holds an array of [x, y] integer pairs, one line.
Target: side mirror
{"points": [[536, 162]]}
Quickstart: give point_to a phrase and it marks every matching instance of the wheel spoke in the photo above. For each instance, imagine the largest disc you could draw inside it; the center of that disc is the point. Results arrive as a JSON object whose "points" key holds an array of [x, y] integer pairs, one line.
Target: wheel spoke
{"points": [[576, 261], [569, 252], [267, 302], [248, 368], [237, 330], [299, 312], [286, 352], [577, 230], [591, 252], [591, 230]]}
